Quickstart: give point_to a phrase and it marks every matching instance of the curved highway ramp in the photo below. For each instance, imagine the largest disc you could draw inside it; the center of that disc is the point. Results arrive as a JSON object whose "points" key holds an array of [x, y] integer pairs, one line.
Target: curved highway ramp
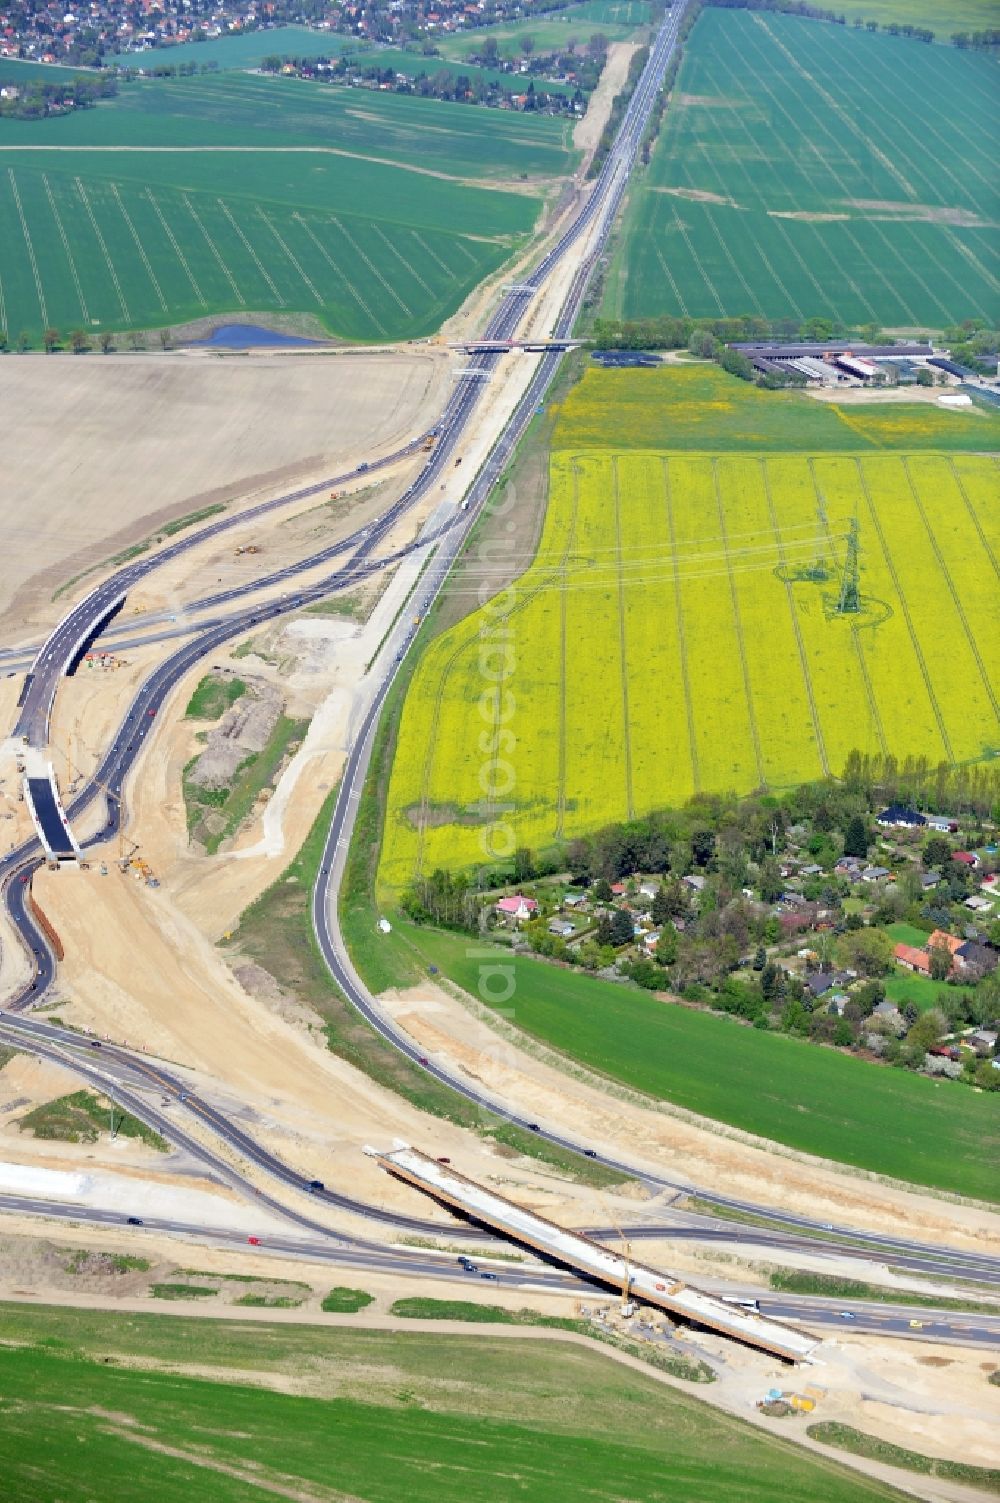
{"points": [[590, 1258]]}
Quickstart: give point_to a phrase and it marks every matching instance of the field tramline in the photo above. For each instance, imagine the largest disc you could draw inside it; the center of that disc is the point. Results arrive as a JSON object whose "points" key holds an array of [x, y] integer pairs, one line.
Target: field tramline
{"points": [[86, 243], [678, 632], [793, 178]]}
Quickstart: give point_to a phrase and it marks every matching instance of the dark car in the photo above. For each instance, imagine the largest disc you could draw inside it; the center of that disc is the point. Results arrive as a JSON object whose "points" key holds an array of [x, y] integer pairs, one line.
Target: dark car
{"points": [[533, 1127], [95, 1044], [589, 1153], [471, 1267], [134, 1221], [316, 1184], [492, 1276]]}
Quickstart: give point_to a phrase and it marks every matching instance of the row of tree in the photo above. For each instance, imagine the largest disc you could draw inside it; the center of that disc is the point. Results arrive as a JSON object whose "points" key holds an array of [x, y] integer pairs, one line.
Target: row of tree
{"points": [[80, 342], [618, 107], [723, 833], [981, 41]]}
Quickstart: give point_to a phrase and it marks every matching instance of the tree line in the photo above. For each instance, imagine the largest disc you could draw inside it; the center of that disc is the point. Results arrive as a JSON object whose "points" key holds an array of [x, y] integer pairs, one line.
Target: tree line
{"points": [[39, 98]]}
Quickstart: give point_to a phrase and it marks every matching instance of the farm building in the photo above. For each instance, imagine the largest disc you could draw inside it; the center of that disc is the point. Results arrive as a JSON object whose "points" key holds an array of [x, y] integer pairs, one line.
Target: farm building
{"points": [[831, 349], [950, 366], [854, 365]]}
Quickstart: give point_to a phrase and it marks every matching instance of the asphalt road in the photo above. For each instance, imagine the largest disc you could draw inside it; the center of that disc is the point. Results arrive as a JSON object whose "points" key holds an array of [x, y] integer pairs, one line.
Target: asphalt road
{"points": [[858, 1316], [129, 1078], [79, 625]]}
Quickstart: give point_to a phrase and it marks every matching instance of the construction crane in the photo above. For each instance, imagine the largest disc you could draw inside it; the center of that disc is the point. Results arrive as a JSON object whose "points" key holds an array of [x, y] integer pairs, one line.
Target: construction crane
{"points": [[628, 1306], [114, 800]]}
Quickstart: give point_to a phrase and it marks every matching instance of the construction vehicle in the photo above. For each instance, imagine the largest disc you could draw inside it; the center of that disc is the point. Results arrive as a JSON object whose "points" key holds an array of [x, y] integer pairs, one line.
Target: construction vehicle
{"points": [[428, 442], [246, 548]]}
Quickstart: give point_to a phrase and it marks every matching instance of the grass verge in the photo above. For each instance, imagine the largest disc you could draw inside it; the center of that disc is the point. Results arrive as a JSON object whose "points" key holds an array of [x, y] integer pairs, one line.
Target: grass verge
{"points": [[82, 1117], [242, 1278], [417, 1308], [86, 1260], [345, 1301], [213, 696], [846, 1438], [269, 1301], [276, 932], [181, 1291], [827, 1286]]}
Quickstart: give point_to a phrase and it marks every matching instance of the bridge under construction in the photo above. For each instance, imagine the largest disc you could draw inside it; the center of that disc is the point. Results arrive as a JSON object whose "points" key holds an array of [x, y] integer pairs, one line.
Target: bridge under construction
{"points": [[589, 1258]]}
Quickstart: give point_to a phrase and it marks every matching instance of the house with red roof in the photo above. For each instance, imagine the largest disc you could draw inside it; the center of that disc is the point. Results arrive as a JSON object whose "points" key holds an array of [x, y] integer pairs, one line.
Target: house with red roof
{"points": [[516, 909], [944, 941], [913, 959]]}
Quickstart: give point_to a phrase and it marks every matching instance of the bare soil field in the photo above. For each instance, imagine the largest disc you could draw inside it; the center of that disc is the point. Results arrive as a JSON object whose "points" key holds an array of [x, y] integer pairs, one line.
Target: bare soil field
{"points": [[108, 448], [587, 132], [139, 971]]}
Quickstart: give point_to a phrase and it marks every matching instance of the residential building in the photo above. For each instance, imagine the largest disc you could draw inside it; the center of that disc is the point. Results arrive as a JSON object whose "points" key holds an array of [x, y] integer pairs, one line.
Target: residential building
{"points": [[974, 956], [517, 909], [900, 817], [912, 959]]}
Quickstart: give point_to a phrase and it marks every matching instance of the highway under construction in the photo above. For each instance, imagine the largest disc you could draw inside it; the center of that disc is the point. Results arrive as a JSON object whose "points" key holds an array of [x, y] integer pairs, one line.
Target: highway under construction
{"points": [[584, 1256], [579, 245]]}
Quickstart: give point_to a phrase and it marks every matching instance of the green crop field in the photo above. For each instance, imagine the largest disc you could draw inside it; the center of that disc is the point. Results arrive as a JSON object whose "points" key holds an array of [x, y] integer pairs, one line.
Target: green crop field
{"points": [[819, 1101], [246, 49], [610, 12], [548, 32], [943, 17], [671, 636], [807, 169], [255, 113], [15, 71], [218, 195], [97, 1405]]}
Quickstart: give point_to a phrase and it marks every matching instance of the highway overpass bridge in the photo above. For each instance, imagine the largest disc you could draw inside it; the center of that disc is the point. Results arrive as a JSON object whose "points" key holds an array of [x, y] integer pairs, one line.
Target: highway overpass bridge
{"points": [[41, 795], [504, 346], [591, 1259]]}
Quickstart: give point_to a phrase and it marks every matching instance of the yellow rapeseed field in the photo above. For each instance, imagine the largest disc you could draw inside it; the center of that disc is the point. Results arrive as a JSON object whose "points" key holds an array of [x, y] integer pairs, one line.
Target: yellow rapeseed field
{"points": [[678, 632]]}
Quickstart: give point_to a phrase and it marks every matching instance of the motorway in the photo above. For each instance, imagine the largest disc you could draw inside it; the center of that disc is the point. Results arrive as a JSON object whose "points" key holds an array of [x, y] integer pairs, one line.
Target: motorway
{"points": [[80, 624], [861, 1316], [129, 1078]]}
